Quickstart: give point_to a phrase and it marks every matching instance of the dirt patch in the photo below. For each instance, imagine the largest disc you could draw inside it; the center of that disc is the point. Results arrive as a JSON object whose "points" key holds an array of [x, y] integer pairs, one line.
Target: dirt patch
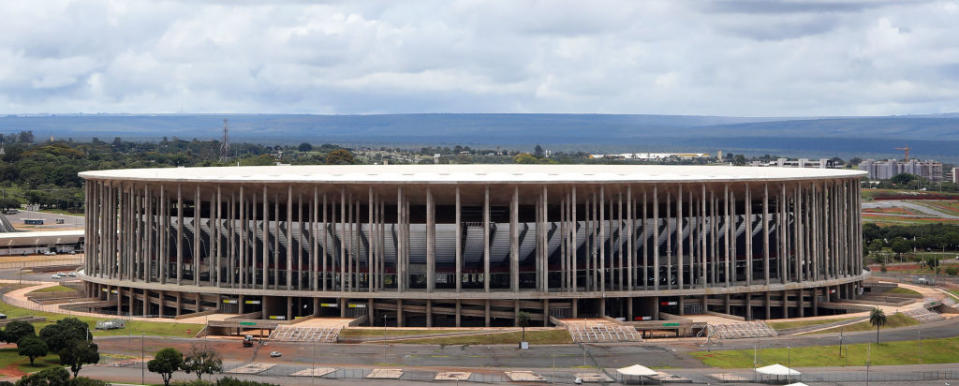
{"points": [[11, 371]]}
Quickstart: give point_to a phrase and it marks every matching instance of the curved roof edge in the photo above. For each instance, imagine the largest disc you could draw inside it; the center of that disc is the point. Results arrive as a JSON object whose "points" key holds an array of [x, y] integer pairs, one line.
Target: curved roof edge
{"points": [[472, 173]]}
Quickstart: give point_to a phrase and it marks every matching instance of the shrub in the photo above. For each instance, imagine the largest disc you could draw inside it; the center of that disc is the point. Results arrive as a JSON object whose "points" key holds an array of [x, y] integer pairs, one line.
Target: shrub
{"points": [[56, 376], [84, 381], [230, 381], [952, 271]]}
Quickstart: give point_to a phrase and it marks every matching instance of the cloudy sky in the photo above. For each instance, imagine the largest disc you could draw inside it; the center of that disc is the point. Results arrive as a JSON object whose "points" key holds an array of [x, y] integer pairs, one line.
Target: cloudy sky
{"points": [[743, 57]]}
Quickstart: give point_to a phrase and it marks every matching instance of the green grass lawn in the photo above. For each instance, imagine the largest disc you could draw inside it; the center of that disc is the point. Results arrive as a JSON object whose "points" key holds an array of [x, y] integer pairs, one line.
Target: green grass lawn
{"points": [[132, 327], [358, 333], [803, 323], [533, 337], [892, 353], [9, 357], [57, 288], [902, 291], [892, 321]]}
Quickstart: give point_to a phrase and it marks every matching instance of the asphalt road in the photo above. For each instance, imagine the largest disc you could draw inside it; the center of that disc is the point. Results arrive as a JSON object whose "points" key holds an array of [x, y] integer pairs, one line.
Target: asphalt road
{"points": [[905, 204]]}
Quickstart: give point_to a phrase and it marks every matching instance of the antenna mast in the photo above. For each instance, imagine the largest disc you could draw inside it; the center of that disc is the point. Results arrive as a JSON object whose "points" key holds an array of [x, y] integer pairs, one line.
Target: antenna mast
{"points": [[225, 145]]}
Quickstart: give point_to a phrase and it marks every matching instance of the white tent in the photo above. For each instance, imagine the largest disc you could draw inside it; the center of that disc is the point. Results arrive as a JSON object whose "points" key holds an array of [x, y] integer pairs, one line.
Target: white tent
{"points": [[635, 372], [777, 370], [797, 384]]}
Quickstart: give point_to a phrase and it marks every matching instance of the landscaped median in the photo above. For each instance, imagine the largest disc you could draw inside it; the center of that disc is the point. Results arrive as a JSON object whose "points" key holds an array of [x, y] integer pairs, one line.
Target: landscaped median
{"points": [[896, 320], [908, 352], [456, 336]]}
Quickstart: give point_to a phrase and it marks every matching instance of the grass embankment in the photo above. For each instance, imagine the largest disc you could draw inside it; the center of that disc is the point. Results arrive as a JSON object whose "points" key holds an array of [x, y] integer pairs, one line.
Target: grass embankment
{"points": [[533, 337], [133, 327], [895, 320], [778, 326], [893, 353], [902, 291], [56, 288]]}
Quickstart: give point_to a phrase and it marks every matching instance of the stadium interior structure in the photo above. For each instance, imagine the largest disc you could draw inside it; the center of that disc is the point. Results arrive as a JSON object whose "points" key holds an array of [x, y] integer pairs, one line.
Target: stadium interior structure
{"points": [[472, 245]]}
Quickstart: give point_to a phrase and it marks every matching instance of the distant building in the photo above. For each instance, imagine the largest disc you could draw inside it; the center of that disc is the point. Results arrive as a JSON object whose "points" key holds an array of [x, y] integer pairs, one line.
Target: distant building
{"points": [[649, 156], [884, 170], [955, 175], [822, 163]]}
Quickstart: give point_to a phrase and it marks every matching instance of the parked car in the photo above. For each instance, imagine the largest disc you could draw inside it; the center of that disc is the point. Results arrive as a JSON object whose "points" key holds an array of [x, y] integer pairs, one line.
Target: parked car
{"points": [[275, 354], [57, 276], [3, 316], [49, 253], [71, 274]]}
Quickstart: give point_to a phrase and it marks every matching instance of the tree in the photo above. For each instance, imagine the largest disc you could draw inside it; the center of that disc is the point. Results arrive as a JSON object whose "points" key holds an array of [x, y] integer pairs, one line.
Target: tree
{"points": [[166, 362], [31, 347], [903, 178], [877, 318], [202, 361], [77, 353], [58, 335], [522, 318], [875, 246], [900, 246], [339, 157], [538, 152], [525, 158], [16, 330], [55, 376], [305, 146]]}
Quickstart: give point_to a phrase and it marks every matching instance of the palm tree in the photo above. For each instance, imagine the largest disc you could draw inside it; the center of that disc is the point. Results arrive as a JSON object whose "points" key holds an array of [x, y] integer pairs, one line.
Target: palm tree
{"points": [[522, 318], [877, 318]]}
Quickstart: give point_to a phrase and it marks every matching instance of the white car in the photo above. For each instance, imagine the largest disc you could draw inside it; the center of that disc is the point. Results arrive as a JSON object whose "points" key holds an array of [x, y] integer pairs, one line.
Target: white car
{"points": [[56, 276], [49, 253], [72, 274], [275, 354]]}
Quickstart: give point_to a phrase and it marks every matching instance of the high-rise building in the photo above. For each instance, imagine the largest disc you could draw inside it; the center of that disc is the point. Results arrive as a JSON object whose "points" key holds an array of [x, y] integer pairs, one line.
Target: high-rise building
{"points": [[884, 170]]}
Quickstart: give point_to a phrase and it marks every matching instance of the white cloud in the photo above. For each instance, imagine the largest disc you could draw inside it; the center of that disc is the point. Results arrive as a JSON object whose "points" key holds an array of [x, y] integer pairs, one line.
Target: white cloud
{"points": [[734, 57]]}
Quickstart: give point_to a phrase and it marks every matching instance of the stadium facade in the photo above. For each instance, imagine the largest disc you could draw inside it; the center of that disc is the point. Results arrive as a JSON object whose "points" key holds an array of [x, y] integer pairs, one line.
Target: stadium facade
{"points": [[472, 245]]}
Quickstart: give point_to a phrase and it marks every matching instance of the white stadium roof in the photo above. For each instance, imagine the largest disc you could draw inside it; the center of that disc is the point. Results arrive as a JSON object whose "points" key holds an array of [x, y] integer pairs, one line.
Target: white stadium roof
{"points": [[474, 173]]}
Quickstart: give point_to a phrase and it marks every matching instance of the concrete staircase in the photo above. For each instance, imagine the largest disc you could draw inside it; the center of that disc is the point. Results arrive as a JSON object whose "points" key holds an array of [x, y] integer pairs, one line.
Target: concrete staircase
{"points": [[602, 332], [923, 315], [305, 334], [742, 330]]}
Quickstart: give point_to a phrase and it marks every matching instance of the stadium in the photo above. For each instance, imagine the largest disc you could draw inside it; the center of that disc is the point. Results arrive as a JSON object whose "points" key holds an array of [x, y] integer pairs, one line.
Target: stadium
{"points": [[472, 245]]}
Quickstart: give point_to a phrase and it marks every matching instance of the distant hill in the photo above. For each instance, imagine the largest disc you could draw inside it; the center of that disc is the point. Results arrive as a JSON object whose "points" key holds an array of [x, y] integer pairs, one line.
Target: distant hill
{"points": [[931, 136]]}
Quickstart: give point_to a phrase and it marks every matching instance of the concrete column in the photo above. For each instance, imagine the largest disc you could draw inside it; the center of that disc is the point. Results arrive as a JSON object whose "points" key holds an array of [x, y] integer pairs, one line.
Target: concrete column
{"points": [[429, 313], [371, 313], [514, 240], [574, 260], [748, 235], [602, 307], [343, 241], [682, 305], [767, 305], [655, 243], [680, 260], [342, 302], [179, 234], [399, 312], [575, 306], [459, 251], [486, 246], [749, 306], [146, 303], [371, 247], [602, 238], [545, 312], [430, 245], [119, 301], [726, 305], [801, 304], [629, 309], [516, 313], [458, 312], [631, 254], [289, 307], [179, 303], [486, 315], [766, 237], [655, 307]]}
